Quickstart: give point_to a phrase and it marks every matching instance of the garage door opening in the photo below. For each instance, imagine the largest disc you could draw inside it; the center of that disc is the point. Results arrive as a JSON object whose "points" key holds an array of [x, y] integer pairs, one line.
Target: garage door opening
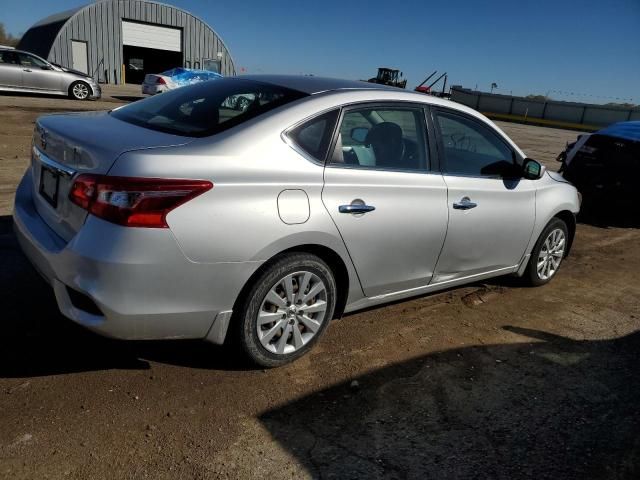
{"points": [[139, 61], [149, 48]]}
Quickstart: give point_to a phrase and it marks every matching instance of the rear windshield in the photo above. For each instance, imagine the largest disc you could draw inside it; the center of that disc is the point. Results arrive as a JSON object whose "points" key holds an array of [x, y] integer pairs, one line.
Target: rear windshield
{"points": [[206, 108]]}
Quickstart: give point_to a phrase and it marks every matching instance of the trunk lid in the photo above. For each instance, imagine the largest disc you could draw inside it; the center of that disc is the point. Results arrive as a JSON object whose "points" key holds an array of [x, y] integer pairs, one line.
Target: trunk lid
{"points": [[69, 144]]}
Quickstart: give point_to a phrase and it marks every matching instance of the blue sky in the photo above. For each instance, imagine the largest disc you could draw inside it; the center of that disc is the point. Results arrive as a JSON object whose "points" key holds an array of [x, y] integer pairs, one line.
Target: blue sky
{"points": [[588, 48]]}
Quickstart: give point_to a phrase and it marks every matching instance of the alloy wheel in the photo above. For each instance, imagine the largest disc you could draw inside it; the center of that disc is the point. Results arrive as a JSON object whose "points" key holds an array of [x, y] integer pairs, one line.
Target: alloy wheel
{"points": [[292, 312], [80, 91], [551, 254]]}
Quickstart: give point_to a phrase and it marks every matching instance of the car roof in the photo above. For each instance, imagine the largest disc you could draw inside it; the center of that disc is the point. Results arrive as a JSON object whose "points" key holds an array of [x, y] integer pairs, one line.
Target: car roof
{"points": [[313, 85], [625, 130]]}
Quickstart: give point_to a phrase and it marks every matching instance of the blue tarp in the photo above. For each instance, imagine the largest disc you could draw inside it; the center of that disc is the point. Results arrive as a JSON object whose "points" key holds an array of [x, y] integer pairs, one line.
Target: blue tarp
{"points": [[186, 76], [626, 130]]}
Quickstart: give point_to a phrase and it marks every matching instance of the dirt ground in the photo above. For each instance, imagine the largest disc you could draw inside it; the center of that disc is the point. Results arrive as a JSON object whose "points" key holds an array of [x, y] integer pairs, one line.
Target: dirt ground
{"points": [[492, 380]]}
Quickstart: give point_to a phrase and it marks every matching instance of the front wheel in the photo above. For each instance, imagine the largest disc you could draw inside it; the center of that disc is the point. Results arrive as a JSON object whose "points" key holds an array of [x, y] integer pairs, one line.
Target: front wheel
{"points": [[79, 91], [287, 310], [548, 253]]}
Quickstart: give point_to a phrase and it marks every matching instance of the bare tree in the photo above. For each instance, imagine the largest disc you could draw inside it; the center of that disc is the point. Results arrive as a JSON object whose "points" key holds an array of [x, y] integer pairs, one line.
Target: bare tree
{"points": [[621, 105], [7, 38]]}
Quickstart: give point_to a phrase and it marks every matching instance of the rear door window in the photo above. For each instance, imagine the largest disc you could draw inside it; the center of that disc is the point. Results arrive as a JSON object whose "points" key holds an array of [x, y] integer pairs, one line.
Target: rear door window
{"points": [[206, 108], [8, 58], [314, 136], [386, 138]]}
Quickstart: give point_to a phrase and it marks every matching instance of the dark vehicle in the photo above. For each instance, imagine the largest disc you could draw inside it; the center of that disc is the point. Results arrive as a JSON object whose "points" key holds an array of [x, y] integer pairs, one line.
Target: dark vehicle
{"points": [[605, 165], [390, 77]]}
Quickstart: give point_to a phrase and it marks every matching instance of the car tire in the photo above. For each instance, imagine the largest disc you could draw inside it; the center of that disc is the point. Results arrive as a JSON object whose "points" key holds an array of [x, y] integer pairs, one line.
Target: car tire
{"points": [[79, 91], [548, 253], [263, 320]]}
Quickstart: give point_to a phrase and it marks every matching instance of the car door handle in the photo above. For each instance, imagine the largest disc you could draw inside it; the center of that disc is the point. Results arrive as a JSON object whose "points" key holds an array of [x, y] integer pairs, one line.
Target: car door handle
{"points": [[356, 208], [26, 70], [465, 204]]}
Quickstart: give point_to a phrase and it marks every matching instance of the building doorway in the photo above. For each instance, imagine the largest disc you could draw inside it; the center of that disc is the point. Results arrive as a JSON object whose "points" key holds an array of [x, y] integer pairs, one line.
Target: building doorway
{"points": [[138, 61], [149, 48]]}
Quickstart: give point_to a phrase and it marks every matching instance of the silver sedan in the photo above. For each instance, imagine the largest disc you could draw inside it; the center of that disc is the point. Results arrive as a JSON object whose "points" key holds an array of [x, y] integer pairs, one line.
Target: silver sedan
{"points": [[25, 72], [178, 217]]}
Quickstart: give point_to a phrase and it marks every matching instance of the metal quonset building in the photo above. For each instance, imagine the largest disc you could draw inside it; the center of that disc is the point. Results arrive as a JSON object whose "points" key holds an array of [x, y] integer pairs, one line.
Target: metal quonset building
{"points": [[118, 41]]}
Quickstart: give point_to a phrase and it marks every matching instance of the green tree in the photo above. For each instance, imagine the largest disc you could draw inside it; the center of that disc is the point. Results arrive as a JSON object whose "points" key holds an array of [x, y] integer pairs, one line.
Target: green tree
{"points": [[6, 38]]}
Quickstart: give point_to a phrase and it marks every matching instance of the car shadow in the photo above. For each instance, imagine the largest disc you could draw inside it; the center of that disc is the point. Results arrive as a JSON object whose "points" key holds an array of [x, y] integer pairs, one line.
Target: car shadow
{"points": [[35, 95], [613, 212], [128, 98], [544, 407], [608, 218], [37, 340]]}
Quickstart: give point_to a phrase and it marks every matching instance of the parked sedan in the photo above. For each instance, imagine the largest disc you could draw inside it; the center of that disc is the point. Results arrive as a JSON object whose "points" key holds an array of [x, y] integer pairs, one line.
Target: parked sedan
{"points": [[175, 217], [25, 72]]}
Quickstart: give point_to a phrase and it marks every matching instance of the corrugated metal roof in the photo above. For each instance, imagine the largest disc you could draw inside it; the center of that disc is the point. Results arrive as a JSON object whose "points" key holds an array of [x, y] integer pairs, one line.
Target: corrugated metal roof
{"points": [[58, 17]]}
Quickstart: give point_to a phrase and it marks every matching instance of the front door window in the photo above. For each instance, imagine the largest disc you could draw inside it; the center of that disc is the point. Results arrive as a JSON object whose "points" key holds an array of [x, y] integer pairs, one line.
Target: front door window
{"points": [[29, 61], [471, 149]]}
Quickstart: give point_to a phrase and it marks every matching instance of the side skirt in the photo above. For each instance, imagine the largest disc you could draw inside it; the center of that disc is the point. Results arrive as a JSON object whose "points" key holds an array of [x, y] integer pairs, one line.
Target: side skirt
{"points": [[415, 292]]}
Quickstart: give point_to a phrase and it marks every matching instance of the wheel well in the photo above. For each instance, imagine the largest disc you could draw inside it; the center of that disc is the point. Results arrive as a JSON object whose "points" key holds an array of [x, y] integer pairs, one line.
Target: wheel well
{"points": [[330, 257], [339, 269], [570, 219]]}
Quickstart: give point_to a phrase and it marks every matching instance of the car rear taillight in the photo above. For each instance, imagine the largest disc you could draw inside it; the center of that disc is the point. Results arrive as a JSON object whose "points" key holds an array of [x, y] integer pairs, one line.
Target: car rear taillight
{"points": [[161, 81], [134, 202]]}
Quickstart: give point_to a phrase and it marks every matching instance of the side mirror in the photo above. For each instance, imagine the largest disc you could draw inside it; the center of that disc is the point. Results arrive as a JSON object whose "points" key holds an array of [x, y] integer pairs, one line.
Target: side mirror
{"points": [[359, 134], [532, 170], [46, 67]]}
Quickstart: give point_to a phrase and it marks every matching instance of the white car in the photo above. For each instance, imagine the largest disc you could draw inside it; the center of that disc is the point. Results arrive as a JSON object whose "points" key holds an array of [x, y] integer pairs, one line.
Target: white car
{"points": [[155, 83], [175, 78]]}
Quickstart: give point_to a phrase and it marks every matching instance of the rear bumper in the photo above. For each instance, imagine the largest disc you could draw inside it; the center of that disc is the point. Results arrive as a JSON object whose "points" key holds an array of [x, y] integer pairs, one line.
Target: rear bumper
{"points": [[139, 279]]}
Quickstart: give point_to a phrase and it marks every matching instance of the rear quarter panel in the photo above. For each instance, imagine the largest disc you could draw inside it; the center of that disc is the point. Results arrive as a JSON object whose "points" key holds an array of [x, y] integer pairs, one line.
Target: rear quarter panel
{"points": [[238, 220]]}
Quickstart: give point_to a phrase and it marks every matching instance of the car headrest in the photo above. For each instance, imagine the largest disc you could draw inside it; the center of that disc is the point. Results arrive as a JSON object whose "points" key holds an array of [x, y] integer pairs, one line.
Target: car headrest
{"points": [[205, 113], [385, 132]]}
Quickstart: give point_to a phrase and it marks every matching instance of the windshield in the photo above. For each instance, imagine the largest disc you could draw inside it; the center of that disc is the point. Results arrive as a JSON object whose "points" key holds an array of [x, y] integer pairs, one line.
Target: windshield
{"points": [[206, 108]]}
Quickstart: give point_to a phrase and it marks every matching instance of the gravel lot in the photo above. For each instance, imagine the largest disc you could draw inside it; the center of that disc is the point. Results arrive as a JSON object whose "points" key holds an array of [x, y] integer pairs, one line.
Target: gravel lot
{"points": [[487, 381]]}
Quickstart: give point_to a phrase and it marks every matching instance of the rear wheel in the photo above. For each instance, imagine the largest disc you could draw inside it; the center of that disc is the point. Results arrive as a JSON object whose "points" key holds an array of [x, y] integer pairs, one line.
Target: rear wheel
{"points": [[548, 253], [79, 90], [287, 310]]}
